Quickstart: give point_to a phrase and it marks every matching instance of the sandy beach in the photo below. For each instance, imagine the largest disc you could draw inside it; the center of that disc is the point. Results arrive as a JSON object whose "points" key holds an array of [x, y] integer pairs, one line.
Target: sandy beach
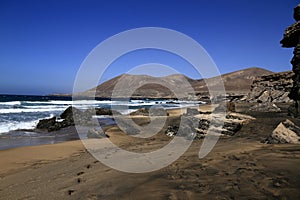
{"points": [[239, 167]]}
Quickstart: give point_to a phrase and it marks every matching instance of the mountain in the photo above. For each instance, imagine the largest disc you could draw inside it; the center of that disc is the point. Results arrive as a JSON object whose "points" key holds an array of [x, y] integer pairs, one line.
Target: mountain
{"points": [[146, 86], [238, 82]]}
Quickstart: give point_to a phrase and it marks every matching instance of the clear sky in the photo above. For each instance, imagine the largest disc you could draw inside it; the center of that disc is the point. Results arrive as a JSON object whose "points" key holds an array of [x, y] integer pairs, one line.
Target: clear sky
{"points": [[44, 42]]}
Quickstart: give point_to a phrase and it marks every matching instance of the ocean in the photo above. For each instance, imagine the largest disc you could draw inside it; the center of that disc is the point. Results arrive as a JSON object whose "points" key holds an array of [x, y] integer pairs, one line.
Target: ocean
{"points": [[21, 112]]}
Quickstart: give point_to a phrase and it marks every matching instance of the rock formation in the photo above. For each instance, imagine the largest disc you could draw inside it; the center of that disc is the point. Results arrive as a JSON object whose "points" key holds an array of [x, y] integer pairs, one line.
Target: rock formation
{"points": [[291, 39], [67, 118], [285, 132], [272, 88], [265, 107], [232, 124]]}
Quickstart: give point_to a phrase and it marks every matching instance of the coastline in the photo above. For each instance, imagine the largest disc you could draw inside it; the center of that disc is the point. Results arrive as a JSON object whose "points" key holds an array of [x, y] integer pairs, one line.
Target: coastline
{"points": [[238, 167], [20, 138]]}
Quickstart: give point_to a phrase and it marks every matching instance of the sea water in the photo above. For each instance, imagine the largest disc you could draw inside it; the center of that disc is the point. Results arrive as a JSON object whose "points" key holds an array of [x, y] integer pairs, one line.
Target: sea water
{"points": [[23, 112]]}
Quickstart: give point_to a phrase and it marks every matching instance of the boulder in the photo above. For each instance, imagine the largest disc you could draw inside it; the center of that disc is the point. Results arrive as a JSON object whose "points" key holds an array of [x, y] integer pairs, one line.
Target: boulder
{"points": [[44, 124], [67, 120], [285, 132]]}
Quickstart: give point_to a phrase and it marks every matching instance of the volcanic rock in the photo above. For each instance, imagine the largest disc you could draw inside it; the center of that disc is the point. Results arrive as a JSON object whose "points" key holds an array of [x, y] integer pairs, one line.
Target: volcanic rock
{"points": [[291, 39], [44, 124]]}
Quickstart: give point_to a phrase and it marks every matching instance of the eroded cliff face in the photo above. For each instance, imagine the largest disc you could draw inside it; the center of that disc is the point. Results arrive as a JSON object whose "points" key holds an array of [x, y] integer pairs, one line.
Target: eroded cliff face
{"points": [[272, 88], [291, 38]]}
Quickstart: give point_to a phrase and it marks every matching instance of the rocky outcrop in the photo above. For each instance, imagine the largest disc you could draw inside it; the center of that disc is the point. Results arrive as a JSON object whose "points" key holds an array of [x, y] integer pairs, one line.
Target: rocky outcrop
{"points": [[46, 123], [225, 107], [231, 125], [192, 111], [291, 39], [68, 116], [149, 112], [265, 107], [67, 119], [272, 88], [285, 132]]}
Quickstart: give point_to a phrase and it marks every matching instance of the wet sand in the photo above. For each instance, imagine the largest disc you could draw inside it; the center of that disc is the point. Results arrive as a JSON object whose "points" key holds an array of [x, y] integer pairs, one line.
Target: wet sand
{"points": [[239, 167]]}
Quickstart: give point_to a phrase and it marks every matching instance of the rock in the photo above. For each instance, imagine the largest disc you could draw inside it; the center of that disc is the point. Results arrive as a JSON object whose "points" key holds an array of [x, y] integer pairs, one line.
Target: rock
{"points": [[225, 107], [68, 120], [192, 111], [265, 107], [291, 39], [81, 117], [172, 130], [204, 124], [285, 132], [231, 128], [150, 112], [232, 124], [44, 124], [68, 113], [271, 88], [185, 128], [94, 133], [105, 111]]}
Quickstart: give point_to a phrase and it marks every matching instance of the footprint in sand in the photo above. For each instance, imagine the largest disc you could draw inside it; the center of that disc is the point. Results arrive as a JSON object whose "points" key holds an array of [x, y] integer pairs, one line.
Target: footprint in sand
{"points": [[71, 191], [88, 166], [80, 173]]}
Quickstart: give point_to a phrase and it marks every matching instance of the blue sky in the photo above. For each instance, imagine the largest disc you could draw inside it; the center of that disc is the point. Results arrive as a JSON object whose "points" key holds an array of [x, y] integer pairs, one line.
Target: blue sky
{"points": [[43, 43]]}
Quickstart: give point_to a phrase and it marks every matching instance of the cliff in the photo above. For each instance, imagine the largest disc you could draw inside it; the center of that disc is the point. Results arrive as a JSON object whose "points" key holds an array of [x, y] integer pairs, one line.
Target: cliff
{"points": [[272, 88]]}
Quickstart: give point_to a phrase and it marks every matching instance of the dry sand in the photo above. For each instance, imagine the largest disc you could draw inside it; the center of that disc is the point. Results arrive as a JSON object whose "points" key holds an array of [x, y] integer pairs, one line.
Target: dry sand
{"points": [[239, 167]]}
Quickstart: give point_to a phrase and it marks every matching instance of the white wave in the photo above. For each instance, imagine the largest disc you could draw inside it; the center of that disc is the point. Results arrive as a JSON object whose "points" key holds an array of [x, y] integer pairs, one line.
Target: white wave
{"points": [[21, 110], [76, 102], [101, 116], [11, 103], [49, 102], [45, 107], [127, 112], [15, 125]]}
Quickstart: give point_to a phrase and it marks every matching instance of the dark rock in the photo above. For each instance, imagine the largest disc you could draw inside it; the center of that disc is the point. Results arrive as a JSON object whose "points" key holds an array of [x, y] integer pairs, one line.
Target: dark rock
{"points": [[172, 130], [204, 124], [231, 128], [186, 128], [68, 113], [291, 39], [103, 111], [44, 124], [68, 117], [290, 35]]}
